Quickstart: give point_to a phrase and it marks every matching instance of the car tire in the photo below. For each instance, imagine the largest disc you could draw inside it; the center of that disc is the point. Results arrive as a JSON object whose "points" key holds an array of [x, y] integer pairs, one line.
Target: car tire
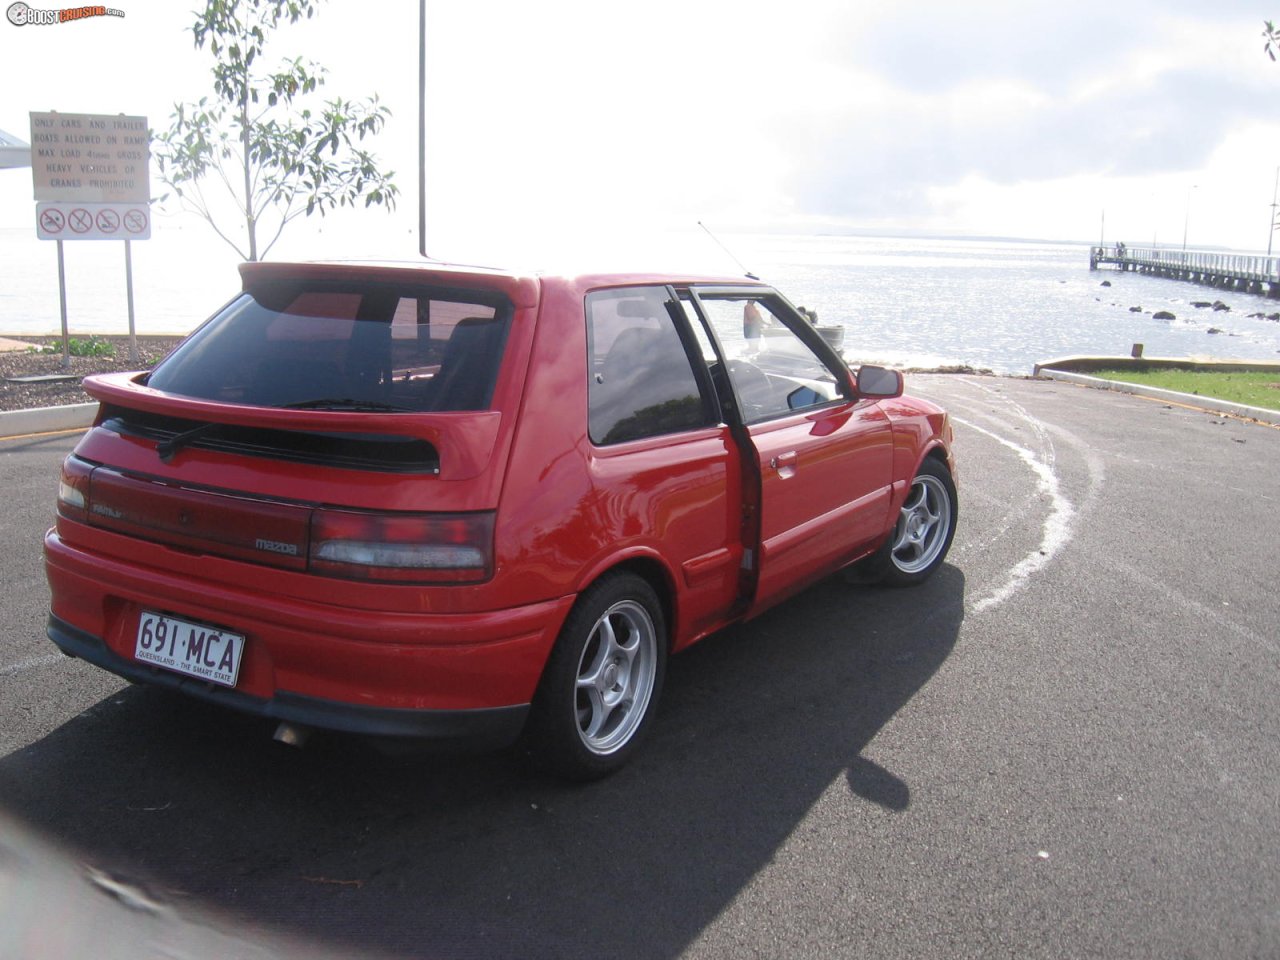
{"points": [[919, 541], [602, 681]]}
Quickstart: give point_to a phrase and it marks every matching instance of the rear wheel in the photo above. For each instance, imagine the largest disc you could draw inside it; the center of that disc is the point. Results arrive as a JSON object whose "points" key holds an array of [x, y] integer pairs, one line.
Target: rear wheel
{"points": [[922, 536], [602, 681]]}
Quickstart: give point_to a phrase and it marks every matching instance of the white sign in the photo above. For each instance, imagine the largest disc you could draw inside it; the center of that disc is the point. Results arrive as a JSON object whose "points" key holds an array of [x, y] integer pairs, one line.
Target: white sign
{"points": [[90, 158], [93, 221]]}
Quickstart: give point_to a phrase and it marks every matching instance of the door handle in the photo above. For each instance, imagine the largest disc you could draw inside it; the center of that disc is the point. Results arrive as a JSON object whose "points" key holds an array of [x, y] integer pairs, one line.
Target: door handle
{"points": [[784, 463]]}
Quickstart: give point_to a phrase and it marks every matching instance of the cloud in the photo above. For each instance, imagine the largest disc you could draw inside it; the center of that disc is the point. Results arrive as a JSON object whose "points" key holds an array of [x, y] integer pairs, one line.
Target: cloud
{"points": [[812, 112], [1006, 96], [936, 45]]}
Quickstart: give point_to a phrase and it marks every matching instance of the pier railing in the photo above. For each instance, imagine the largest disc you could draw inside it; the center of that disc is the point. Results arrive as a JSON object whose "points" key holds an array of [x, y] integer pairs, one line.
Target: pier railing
{"points": [[1233, 271]]}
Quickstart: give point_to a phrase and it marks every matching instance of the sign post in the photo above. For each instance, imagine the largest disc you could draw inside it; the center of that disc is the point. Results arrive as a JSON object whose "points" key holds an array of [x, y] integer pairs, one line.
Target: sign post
{"points": [[91, 174], [62, 302]]}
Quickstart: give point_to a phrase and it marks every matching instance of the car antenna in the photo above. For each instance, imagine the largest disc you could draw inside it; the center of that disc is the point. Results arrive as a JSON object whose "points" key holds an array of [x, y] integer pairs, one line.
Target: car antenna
{"points": [[728, 251]]}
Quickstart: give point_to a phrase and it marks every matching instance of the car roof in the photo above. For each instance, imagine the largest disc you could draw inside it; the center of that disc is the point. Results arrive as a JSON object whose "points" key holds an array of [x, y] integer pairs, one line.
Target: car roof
{"points": [[462, 274]]}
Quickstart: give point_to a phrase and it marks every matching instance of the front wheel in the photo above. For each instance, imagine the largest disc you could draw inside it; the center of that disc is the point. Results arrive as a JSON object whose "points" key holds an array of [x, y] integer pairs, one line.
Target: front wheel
{"points": [[602, 681], [922, 536]]}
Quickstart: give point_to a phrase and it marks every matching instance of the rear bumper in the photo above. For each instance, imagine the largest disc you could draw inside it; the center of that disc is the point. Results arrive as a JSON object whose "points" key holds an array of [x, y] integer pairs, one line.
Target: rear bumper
{"points": [[478, 729], [467, 677]]}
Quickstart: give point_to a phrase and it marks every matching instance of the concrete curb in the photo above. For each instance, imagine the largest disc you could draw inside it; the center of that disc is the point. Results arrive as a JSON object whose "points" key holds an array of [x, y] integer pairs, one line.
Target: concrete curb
{"points": [[1084, 364], [1156, 393], [75, 416]]}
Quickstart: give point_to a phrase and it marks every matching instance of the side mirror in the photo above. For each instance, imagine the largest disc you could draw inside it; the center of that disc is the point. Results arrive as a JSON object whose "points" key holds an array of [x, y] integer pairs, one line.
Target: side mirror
{"points": [[878, 383]]}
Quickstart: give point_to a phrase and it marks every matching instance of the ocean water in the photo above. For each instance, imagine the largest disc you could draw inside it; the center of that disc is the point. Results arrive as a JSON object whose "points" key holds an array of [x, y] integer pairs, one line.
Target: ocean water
{"points": [[1003, 305], [998, 304], [178, 282]]}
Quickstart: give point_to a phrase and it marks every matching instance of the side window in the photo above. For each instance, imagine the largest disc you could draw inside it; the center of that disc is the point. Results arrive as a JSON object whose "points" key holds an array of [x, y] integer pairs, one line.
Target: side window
{"points": [[771, 370], [641, 382]]}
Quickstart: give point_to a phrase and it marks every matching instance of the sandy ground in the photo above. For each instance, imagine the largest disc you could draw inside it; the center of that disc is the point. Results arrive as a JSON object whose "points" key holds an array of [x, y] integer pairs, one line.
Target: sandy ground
{"points": [[25, 358]]}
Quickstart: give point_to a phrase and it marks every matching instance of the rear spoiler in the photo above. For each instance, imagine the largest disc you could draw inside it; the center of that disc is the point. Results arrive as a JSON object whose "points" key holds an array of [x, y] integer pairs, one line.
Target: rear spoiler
{"points": [[464, 440]]}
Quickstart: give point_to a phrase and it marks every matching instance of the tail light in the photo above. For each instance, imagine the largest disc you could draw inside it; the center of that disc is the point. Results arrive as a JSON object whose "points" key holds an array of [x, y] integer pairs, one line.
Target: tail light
{"points": [[73, 489], [417, 548], [402, 548]]}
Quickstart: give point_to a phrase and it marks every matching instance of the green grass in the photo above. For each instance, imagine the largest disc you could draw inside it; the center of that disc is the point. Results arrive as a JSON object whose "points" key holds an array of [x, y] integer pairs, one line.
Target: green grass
{"points": [[1257, 389], [89, 347]]}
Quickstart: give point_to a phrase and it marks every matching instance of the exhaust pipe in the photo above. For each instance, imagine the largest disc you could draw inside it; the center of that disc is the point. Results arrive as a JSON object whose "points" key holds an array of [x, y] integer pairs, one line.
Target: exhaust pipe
{"points": [[292, 734]]}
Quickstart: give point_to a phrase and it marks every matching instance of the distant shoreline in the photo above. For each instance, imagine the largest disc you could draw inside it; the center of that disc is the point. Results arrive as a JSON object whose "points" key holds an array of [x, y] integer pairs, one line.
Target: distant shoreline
{"points": [[868, 234]]}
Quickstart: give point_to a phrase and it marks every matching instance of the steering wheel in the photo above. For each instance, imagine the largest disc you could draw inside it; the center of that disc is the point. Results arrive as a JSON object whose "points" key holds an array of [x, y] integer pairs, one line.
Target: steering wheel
{"points": [[752, 387]]}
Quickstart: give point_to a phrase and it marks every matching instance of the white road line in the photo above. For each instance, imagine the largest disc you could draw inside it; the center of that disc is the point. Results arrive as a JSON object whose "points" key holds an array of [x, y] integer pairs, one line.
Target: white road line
{"points": [[22, 666], [1058, 525], [1046, 432]]}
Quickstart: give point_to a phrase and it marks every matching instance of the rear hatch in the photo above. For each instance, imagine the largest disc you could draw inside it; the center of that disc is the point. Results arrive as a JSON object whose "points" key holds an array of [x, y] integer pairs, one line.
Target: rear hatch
{"points": [[347, 421]]}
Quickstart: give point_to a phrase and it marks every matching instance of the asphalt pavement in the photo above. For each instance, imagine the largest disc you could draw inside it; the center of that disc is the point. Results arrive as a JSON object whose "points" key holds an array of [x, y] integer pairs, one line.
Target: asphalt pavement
{"points": [[1063, 745]]}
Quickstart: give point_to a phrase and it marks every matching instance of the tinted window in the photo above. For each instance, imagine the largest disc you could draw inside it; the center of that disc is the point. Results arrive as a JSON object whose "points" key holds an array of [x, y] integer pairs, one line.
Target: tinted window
{"points": [[641, 381], [318, 345]]}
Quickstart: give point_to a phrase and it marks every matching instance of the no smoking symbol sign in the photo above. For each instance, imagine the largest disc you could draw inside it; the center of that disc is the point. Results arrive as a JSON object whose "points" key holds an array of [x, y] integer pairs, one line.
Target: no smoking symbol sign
{"points": [[52, 221], [92, 221]]}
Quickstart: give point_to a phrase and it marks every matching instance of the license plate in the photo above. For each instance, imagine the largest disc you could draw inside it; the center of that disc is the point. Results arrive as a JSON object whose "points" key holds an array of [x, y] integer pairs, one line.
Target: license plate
{"points": [[195, 649]]}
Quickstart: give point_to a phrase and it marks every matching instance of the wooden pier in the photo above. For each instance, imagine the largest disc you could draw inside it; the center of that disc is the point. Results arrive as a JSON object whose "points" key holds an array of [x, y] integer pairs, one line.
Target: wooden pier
{"points": [[1227, 271]]}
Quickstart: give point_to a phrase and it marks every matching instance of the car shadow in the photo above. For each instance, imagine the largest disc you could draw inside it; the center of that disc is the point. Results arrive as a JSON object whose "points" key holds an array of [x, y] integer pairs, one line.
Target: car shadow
{"points": [[483, 856]]}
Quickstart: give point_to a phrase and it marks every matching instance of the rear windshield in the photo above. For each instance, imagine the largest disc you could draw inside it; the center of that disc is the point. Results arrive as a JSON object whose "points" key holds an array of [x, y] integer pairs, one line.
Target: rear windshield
{"points": [[322, 345]]}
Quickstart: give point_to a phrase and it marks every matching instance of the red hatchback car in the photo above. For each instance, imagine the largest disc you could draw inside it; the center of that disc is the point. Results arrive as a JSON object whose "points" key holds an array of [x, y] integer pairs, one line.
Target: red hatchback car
{"points": [[470, 505]]}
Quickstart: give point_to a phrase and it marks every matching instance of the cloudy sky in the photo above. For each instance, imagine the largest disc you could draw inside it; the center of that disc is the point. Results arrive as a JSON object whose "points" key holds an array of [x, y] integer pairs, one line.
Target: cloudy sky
{"points": [[569, 120]]}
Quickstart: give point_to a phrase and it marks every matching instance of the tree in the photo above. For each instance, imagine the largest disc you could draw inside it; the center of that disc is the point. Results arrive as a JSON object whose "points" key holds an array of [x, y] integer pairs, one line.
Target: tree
{"points": [[1272, 33], [276, 157]]}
